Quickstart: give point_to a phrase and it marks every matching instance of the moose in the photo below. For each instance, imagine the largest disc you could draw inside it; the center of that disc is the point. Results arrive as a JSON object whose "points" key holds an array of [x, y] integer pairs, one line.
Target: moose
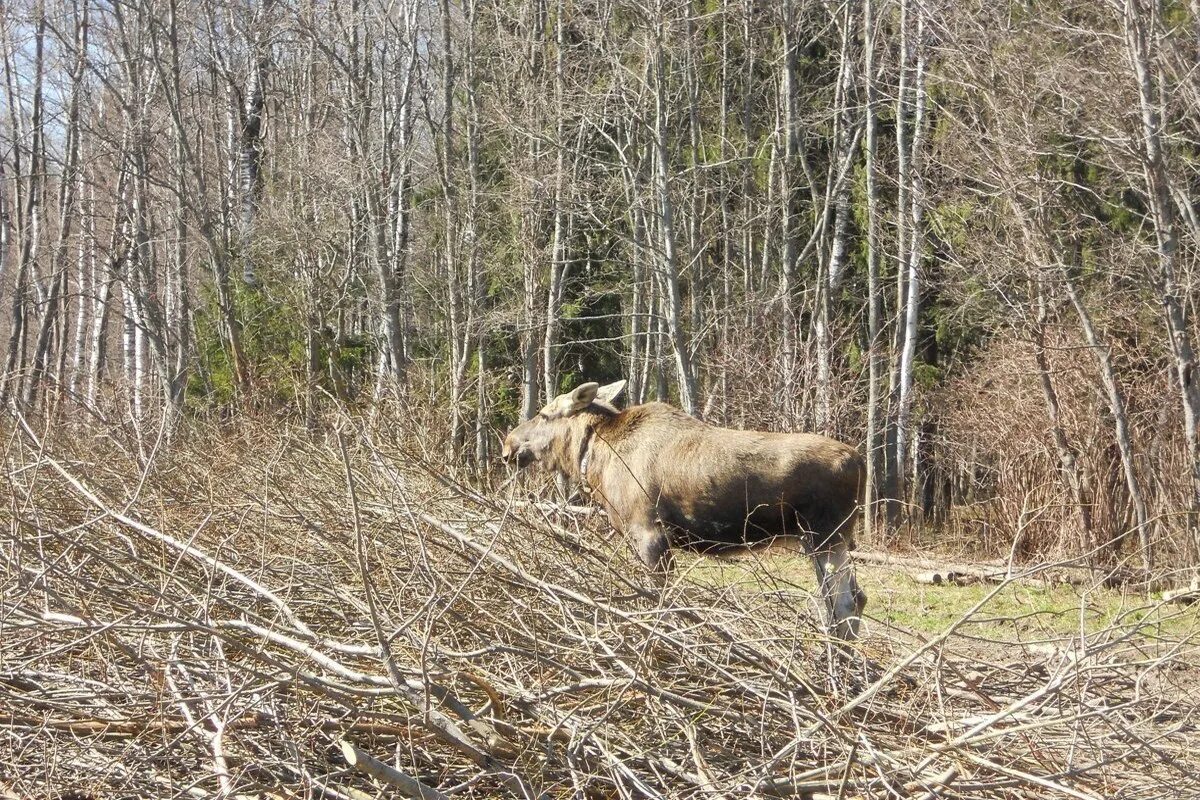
{"points": [[668, 480]]}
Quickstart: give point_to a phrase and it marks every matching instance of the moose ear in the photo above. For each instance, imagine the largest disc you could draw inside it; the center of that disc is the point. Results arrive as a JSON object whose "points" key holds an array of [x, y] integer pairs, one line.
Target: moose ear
{"points": [[583, 396], [608, 394]]}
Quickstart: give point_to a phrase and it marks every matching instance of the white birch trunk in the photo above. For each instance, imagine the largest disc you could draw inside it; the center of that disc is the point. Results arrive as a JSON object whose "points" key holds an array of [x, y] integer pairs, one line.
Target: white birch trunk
{"points": [[69, 183], [839, 246], [87, 286], [916, 255], [893, 459], [787, 194], [29, 200], [250, 135], [558, 242], [874, 310]]}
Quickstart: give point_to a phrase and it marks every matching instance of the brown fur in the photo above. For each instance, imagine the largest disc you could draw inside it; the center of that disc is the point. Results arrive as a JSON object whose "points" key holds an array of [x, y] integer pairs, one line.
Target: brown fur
{"points": [[715, 488], [669, 480]]}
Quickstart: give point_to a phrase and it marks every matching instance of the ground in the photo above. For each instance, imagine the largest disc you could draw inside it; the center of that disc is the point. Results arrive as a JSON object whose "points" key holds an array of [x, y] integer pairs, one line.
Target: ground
{"points": [[1020, 611], [224, 619]]}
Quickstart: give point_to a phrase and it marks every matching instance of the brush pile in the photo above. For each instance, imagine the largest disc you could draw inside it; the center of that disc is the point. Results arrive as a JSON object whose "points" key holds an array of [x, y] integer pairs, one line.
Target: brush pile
{"points": [[264, 613]]}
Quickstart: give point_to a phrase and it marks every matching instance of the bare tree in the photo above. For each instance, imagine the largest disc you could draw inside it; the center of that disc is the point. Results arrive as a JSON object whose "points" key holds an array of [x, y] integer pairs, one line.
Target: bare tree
{"points": [[53, 315], [257, 62], [915, 252], [559, 261], [28, 196], [1141, 22], [874, 299], [668, 262], [837, 197]]}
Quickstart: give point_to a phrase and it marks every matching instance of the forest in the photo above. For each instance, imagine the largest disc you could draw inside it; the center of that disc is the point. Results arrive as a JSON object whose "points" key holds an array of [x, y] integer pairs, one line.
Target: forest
{"points": [[278, 276], [962, 237]]}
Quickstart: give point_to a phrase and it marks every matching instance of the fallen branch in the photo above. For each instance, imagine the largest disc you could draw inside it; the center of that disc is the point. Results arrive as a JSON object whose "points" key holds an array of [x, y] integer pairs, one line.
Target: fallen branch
{"points": [[406, 784]]}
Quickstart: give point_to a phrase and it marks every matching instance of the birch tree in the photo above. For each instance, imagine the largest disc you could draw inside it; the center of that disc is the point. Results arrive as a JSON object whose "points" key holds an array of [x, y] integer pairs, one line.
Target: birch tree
{"points": [[915, 252], [1141, 20], [257, 61], [53, 315], [28, 190], [874, 298]]}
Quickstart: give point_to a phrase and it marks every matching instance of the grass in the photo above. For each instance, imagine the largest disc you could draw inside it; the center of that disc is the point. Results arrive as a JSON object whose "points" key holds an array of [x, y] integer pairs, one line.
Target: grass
{"points": [[1023, 611]]}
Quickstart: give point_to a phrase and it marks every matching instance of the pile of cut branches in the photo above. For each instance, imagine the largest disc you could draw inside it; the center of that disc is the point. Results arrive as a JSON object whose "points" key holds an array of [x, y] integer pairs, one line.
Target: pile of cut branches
{"points": [[260, 612]]}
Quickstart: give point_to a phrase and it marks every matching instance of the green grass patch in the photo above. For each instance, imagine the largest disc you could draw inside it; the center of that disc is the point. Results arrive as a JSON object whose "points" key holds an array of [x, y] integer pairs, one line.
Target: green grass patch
{"points": [[1020, 611]]}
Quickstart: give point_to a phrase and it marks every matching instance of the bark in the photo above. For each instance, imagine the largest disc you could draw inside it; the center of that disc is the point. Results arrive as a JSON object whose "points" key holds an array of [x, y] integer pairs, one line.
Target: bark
{"points": [[459, 281], [4, 226], [393, 364], [87, 284], [177, 358], [29, 205], [476, 288], [916, 255], [668, 262], [1141, 20], [529, 349], [722, 306], [146, 323], [874, 299], [696, 179], [557, 268], [789, 192], [749, 240], [53, 315], [1070, 471], [640, 324], [530, 324], [1116, 407], [894, 458], [839, 188], [133, 350], [250, 139], [4, 222]]}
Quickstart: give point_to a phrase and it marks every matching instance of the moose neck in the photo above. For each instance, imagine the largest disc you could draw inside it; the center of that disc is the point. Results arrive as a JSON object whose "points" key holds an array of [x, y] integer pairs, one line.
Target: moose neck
{"points": [[585, 453], [572, 455]]}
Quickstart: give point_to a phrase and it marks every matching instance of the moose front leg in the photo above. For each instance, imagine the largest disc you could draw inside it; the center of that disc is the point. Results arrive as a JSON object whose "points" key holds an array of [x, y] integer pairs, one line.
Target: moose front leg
{"points": [[844, 601], [653, 547]]}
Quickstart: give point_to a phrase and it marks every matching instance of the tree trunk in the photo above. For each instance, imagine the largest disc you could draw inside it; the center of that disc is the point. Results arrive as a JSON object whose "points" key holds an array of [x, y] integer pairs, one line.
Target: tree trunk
{"points": [[788, 195], [894, 458], [1140, 25], [916, 255], [476, 289], [29, 208], [839, 187], [251, 134], [874, 304], [393, 366], [1068, 460], [668, 261], [1116, 406], [67, 213], [559, 260]]}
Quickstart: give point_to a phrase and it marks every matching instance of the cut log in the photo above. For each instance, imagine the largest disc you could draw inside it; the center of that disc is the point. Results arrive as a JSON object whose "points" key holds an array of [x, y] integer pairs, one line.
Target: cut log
{"points": [[934, 572], [1181, 596]]}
